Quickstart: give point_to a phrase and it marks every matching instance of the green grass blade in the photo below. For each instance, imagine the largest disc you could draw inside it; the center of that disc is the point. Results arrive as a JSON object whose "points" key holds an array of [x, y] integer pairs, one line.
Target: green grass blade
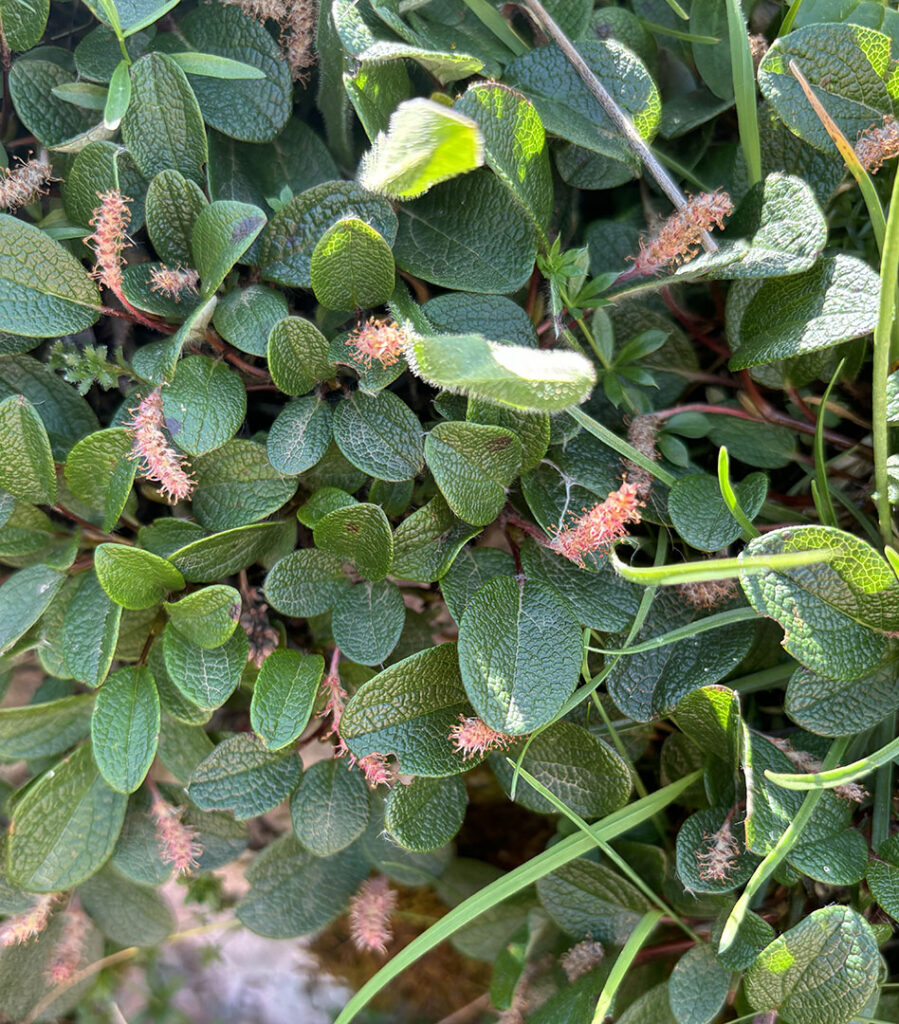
{"points": [[618, 444], [730, 498], [744, 90], [718, 568], [683, 632], [543, 864], [823, 500], [492, 19], [837, 776], [783, 846], [623, 963]]}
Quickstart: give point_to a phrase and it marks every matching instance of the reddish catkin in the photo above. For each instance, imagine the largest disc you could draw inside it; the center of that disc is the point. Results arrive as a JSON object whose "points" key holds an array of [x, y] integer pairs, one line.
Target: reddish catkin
{"points": [[679, 237], [876, 145], [471, 738], [178, 843], [596, 528], [708, 593], [377, 769], [382, 342], [174, 282], [24, 184], [27, 925], [162, 463], [110, 223], [69, 950], [369, 913], [642, 433]]}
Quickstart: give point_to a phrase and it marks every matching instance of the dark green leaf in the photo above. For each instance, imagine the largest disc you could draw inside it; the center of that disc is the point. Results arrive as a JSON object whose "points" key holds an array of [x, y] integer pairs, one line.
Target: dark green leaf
{"points": [[284, 695], [125, 727], [329, 808]]}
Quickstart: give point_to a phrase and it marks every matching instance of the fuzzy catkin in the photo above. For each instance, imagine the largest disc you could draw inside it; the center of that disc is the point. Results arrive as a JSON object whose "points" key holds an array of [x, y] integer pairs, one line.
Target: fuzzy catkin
{"points": [[110, 223], [875, 145], [679, 237], [24, 184], [150, 444]]}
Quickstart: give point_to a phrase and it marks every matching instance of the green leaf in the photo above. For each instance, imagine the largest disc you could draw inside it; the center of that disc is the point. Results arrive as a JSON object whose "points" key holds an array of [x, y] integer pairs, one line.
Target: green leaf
{"points": [[300, 435], [245, 317], [237, 484], [90, 631], [329, 808], [883, 876], [599, 599], [426, 814], [128, 914], [297, 356], [206, 617], [26, 462], [802, 313], [858, 96], [698, 986], [472, 568], [44, 729], [323, 501], [65, 826], [379, 434], [66, 415], [515, 144], [425, 543], [135, 578], [210, 66], [255, 108], [408, 710], [351, 267], [700, 515], [24, 598], [425, 144], [505, 634], [568, 109], [584, 898], [305, 583], [473, 465], [523, 378], [284, 695], [24, 23], [651, 684], [210, 558], [492, 252], [44, 290], [49, 118], [583, 772], [292, 892], [830, 611], [360, 534], [173, 205], [375, 91], [531, 428], [367, 621], [205, 677], [125, 727], [787, 976], [118, 97], [241, 776], [163, 128], [287, 243], [99, 471], [204, 405], [222, 233], [493, 315], [830, 706], [130, 15], [445, 67]]}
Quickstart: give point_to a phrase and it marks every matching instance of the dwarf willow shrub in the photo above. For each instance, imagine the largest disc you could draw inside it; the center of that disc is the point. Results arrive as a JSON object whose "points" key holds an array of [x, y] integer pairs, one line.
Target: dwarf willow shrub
{"points": [[380, 422]]}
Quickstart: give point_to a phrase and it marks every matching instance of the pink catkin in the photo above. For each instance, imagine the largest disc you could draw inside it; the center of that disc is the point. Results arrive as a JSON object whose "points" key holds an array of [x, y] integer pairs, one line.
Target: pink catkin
{"points": [[24, 184], [150, 444], [471, 738], [708, 593], [174, 282], [598, 527], [27, 925], [680, 235], [369, 914], [69, 950], [582, 958], [178, 843], [382, 342], [110, 223]]}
